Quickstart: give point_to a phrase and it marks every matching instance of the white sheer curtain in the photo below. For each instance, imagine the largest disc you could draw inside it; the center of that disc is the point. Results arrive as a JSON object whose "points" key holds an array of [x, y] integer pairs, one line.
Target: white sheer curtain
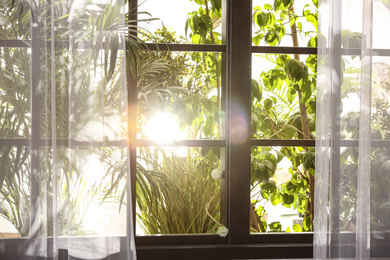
{"points": [[64, 191], [352, 198]]}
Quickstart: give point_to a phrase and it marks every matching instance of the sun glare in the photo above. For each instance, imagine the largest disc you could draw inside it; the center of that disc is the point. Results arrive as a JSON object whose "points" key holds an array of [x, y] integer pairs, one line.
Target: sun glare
{"points": [[163, 128]]}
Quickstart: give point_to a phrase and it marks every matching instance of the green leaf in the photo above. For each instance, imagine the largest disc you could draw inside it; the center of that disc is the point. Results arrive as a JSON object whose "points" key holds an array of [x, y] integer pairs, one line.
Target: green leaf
{"points": [[268, 7], [256, 40], [268, 186], [276, 198], [287, 199], [291, 95], [263, 19], [312, 18], [296, 70], [308, 160], [267, 104], [272, 37], [207, 22], [315, 2], [307, 223], [299, 26], [290, 187], [351, 39], [311, 62], [256, 90], [279, 157], [275, 226], [281, 4], [216, 6], [282, 59], [297, 228], [195, 23], [208, 128], [306, 90], [288, 230], [289, 131], [312, 42]]}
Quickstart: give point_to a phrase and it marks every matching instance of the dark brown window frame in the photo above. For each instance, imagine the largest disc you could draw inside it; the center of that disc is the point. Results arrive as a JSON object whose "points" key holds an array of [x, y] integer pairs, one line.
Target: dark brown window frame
{"points": [[237, 53]]}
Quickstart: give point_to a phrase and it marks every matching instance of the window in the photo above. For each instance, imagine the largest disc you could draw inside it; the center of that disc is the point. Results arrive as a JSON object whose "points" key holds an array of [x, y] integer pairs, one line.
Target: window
{"points": [[207, 103], [251, 131]]}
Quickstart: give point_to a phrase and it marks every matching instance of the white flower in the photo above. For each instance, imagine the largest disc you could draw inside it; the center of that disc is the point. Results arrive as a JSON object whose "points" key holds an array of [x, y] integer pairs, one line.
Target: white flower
{"points": [[222, 231], [216, 174]]}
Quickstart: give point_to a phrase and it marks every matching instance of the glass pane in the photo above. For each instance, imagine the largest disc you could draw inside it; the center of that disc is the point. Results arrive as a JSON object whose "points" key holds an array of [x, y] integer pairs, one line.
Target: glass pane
{"points": [[352, 21], [275, 24], [179, 96], [380, 94], [14, 191], [380, 33], [15, 22], [89, 186], [280, 189], [15, 81], [281, 84], [379, 189], [181, 21], [178, 190], [88, 105], [350, 101]]}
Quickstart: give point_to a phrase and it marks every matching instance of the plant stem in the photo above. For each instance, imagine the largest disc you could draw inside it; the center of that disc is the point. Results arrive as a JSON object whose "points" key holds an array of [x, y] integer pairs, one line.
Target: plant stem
{"points": [[217, 56], [303, 112]]}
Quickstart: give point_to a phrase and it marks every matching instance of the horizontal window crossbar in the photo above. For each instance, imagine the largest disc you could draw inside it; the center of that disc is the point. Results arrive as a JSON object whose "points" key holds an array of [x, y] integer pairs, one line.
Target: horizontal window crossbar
{"points": [[147, 46], [185, 47], [118, 143], [285, 50], [186, 143], [312, 143], [63, 143], [61, 45], [283, 142]]}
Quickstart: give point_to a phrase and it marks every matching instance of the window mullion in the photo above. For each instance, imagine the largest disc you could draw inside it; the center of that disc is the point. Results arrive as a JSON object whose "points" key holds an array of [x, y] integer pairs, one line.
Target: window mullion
{"points": [[35, 111], [239, 43], [132, 125]]}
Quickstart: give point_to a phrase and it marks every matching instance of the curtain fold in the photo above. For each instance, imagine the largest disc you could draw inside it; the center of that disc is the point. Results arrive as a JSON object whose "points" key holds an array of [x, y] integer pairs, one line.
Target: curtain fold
{"points": [[63, 183], [352, 192]]}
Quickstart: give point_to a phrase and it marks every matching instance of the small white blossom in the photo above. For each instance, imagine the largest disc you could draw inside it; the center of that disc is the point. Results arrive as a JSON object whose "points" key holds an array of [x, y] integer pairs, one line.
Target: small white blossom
{"points": [[222, 231], [216, 174]]}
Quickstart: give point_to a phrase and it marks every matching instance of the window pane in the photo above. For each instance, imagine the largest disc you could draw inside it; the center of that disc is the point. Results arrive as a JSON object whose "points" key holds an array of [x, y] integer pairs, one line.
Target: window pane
{"points": [[14, 191], [181, 21], [90, 185], [179, 96], [273, 23], [15, 22], [280, 190], [280, 84], [15, 112], [350, 101], [176, 190], [380, 33]]}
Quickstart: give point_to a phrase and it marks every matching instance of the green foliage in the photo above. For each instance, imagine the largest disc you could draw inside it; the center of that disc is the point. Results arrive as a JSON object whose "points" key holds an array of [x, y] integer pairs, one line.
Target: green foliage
{"points": [[74, 192], [285, 89], [173, 197], [275, 226], [174, 193]]}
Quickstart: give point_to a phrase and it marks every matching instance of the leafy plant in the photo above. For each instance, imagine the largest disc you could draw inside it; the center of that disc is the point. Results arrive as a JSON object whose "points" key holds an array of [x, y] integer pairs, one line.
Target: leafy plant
{"points": [[74, 193], [177, 194]]}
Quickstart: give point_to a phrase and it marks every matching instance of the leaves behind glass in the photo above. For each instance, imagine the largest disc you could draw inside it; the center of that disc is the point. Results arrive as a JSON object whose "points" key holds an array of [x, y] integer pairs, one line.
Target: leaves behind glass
{"points": [[280, 176], [278, 98], [175, 190], [185, 85]]}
